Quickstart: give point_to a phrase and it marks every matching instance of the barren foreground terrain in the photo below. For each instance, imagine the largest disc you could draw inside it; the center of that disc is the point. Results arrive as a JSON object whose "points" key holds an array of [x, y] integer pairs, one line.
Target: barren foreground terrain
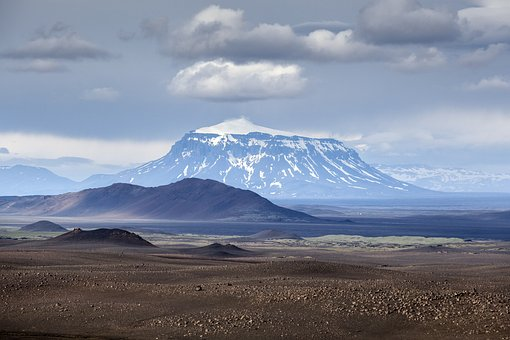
{"points": [[157, 294]]}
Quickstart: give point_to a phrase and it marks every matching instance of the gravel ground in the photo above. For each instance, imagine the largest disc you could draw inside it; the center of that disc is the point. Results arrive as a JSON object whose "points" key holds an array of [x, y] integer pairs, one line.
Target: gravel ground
{"points": [[64, 294]]}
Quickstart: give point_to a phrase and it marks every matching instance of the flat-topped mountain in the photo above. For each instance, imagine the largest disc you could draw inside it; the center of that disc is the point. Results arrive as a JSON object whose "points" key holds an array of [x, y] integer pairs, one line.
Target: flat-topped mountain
{"points": [[109, 236], [188, 199], [43, 226], [270, 162]]}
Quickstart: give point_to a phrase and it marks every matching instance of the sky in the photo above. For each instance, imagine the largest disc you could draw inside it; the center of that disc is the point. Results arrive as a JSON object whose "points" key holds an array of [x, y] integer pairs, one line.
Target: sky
{"points": [[99, 86]]}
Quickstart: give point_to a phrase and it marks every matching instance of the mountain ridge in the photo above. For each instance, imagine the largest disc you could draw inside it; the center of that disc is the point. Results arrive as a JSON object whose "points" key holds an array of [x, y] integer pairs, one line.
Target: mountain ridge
{"points": [[188, 199]]}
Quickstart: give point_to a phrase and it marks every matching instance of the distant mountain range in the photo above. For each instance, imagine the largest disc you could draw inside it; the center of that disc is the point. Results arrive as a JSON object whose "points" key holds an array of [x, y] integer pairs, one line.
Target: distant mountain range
{"points": [[448, 179], [272, 163], [27, 180], [188, 199]]}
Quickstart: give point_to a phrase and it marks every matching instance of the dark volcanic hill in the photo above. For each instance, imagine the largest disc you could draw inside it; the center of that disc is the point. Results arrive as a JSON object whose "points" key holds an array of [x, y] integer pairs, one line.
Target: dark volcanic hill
{"points": [[109, 236], [44, 226], [218, 250], [189, 199]]}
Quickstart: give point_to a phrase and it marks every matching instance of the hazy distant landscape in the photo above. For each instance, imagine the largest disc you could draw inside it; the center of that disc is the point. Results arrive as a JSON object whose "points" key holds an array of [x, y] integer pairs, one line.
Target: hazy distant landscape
{"points": [[258, 170]]}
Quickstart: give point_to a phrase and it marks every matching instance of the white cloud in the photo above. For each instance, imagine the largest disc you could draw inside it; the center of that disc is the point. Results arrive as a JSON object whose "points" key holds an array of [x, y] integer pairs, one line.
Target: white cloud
{"points": [[493, 83], [428, 59], [341, 46], [102, 94], [224, 80], [483, 56], [40, 66], [100, 151], [68, 46], [406, 21], [441, 130]]}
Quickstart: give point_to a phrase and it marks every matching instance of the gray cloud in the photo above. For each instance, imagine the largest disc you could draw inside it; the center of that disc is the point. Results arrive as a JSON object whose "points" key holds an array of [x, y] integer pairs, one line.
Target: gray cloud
{"points": [[487, 23], [217, 32], [4, 151], [58, 42], [40, 66], [154, 27], [126, 35], [306, 28], [483, 56], [406, 22]]}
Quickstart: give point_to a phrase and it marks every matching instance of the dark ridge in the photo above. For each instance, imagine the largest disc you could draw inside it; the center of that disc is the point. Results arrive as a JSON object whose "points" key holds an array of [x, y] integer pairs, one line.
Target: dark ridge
{"points": [[218, 250], [104, 236], [43, 226], [189, 199]]}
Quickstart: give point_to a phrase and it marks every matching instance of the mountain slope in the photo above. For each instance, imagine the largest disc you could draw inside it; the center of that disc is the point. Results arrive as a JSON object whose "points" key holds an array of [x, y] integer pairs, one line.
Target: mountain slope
{"points": [[27, 180], [448, 179], [43, 226], [272, 163], [189, 199]]}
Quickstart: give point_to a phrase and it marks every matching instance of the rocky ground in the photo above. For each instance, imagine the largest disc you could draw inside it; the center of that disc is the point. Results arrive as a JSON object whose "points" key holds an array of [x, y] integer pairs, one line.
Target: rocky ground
{"points": [[103, 294]]}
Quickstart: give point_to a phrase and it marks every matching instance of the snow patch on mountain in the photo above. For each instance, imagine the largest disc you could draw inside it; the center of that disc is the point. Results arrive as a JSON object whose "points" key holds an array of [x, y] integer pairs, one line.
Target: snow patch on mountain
{"points": [[240, 126], [270, 162]]}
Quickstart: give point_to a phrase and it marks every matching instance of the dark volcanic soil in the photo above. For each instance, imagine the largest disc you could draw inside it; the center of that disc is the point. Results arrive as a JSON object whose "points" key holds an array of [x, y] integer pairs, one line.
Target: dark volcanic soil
{"points": [[64, 294]]}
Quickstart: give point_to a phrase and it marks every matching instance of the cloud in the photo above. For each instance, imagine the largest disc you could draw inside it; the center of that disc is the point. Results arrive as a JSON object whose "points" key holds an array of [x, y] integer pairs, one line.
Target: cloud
{"points": [[493, 83], [154, 27], [4, 151], [103, 94], [126, 35], [224, 80], [306, 28], [483, 56], [59, 42], [486, 23], [222, 33], [405, 22], [83, 150], [40, 66], [428, 59], [390, 31], [440, 130]]}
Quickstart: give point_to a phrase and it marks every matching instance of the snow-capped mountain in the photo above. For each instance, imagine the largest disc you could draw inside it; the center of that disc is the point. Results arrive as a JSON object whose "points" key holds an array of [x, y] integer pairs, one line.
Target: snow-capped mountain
{"points": [[448, 179], [270, 162], [20, 180]]}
